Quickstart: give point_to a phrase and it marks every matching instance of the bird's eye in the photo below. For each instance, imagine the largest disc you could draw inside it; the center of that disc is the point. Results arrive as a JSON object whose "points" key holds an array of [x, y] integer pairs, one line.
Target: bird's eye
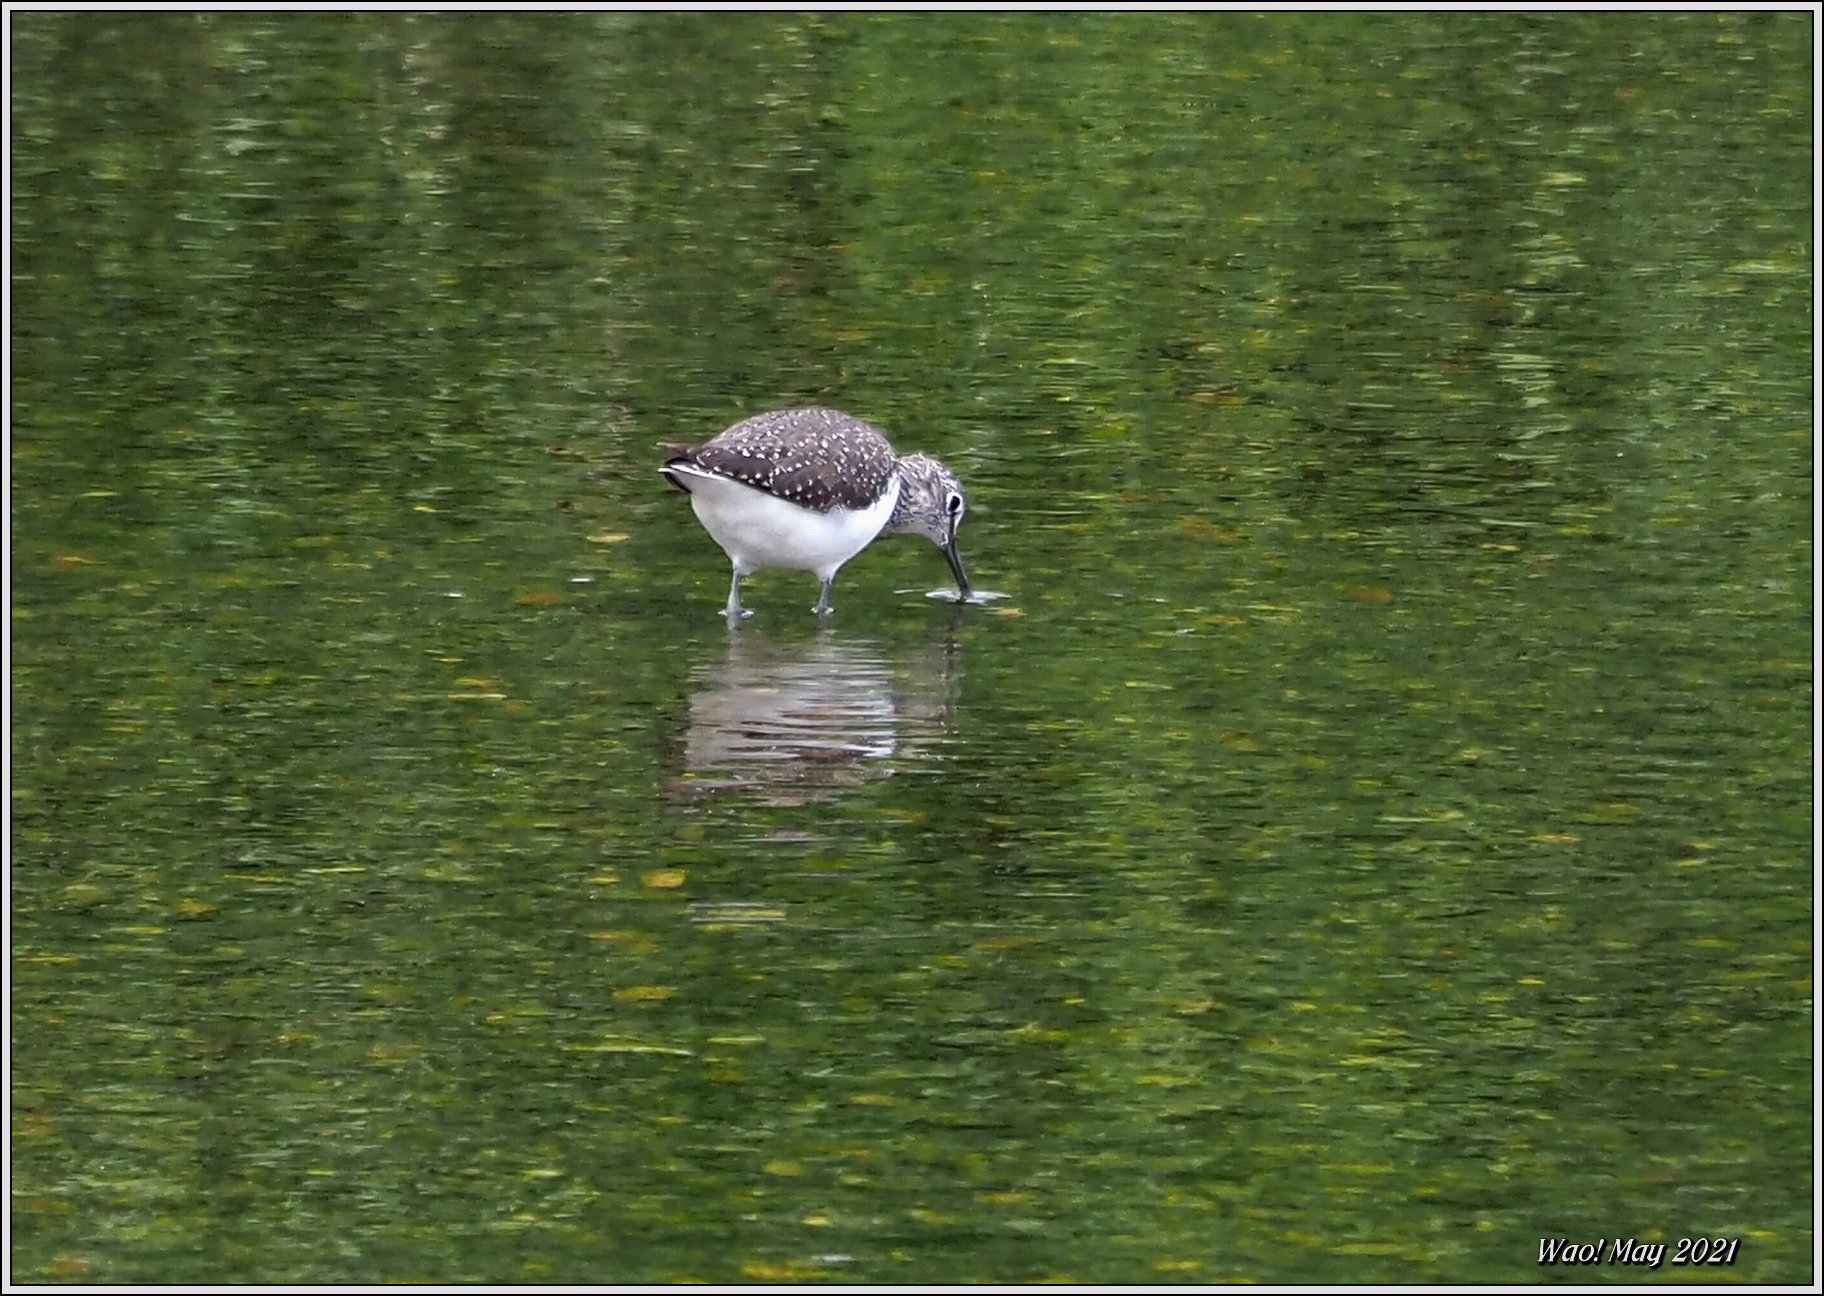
{"points": [[953, 504]]}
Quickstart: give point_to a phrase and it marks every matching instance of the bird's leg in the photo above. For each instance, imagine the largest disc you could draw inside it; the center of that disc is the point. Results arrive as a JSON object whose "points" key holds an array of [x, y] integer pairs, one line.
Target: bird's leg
{"points": [[734, 611], [823, 598]]}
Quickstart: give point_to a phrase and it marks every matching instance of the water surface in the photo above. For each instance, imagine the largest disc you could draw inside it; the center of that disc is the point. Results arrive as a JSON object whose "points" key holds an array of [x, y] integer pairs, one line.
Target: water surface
{"points": [[1372, 835]]}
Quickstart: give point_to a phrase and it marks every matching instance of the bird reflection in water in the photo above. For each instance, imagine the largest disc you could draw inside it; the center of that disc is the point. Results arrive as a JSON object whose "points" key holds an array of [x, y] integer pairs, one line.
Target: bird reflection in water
{"points": [[791, 723]]}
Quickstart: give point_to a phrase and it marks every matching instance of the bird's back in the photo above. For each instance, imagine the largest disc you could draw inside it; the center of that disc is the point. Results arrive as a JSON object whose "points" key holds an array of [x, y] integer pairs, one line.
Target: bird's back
{"points": [[818, 459]]}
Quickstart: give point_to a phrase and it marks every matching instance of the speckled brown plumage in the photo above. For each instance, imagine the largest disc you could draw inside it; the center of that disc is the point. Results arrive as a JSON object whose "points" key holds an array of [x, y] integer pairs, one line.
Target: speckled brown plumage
{"points": [[819, 459]]}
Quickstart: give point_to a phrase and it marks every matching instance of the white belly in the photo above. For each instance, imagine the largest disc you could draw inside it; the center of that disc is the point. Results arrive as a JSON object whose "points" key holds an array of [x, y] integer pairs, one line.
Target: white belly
{"points": [[759, 530]]}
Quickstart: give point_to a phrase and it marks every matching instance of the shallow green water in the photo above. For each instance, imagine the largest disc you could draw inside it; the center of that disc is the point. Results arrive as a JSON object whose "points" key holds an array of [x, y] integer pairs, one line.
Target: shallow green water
{"points": [[1373, 836]]}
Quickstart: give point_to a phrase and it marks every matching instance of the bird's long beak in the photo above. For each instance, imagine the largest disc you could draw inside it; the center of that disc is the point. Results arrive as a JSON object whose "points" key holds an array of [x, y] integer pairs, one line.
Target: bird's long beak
{"points": [[956, 566]]}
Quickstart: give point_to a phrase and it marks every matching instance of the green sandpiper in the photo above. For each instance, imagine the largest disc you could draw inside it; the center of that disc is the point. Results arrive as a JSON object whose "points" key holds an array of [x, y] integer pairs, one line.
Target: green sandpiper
{"points": [[808, 489]]}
